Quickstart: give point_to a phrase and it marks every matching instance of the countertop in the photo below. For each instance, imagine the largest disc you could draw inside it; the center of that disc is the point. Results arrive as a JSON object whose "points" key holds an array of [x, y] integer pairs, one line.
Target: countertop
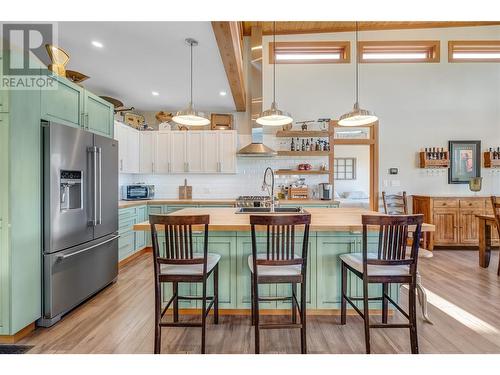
{"points": [[298, 202], [322, 219]]}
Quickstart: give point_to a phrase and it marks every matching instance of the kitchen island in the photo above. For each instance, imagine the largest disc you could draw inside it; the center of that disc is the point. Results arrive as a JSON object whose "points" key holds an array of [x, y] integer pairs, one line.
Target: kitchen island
{"points": [[334, 231]]}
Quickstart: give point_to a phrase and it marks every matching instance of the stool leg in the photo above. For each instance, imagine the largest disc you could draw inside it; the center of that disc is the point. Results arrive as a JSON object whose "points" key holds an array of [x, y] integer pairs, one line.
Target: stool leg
{"points": [[256, 312], [216, 294], [343, 302], [303, 332], [385, 302], [422, 299], [157, 346], [203, 315], [252, 292], [294, 305], [366, 316], [413, 318], [175, 288]]}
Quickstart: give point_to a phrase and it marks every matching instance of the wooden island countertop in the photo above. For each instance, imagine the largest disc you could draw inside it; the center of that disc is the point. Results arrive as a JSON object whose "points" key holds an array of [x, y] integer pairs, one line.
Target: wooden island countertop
{"points": [[323, 219]]}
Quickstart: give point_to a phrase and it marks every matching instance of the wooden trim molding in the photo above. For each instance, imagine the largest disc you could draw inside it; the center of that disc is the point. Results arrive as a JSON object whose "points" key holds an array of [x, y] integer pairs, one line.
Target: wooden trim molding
{"points": [[431, 48], [229, 40], [12, 339], [343, 48], [473, 46], [124, 262]]}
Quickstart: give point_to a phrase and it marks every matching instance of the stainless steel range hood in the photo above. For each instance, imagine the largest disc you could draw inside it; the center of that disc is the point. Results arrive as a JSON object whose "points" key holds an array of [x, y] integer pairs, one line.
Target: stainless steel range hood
{"points": [[257, 148]]}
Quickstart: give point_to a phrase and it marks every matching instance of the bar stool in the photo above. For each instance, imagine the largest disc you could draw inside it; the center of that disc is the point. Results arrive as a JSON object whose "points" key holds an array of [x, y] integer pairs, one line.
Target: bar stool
{"points": [[177, 262], [277, 265], [389, 265], [495, 202], [397, 204]]}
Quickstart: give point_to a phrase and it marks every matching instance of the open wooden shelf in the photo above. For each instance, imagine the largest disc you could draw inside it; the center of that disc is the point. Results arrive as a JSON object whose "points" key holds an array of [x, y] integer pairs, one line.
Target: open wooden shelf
{"points": [[289, 172], [303, 153], [489, 162], [302, 134]]}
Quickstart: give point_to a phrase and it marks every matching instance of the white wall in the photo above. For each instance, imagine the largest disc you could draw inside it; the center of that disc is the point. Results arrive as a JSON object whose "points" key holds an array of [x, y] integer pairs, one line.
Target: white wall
{"points": [[418, 105], [362, 181]]}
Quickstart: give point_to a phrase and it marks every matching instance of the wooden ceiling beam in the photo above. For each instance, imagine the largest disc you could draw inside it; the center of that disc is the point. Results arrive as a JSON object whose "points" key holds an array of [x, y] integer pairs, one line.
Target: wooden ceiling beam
{"points": [[314, 27], [229, 39]]}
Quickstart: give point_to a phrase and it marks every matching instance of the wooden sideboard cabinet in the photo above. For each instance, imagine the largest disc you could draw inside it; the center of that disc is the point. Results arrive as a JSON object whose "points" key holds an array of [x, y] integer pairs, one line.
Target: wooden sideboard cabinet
{"points": [[454, 218]]}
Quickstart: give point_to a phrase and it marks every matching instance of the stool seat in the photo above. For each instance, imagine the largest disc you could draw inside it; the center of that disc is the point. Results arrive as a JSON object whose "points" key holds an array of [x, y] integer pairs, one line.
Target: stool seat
{"points": [[288, 270], [190, 269], [356, 261]]}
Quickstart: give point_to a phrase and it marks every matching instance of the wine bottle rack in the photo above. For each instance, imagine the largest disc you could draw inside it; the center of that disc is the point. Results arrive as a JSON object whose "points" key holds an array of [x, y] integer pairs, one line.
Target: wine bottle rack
{"points": [[489, 161], [434, 163]]}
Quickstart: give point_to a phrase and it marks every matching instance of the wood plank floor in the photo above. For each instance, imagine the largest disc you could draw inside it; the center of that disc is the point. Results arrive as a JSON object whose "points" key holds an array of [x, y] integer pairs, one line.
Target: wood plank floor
{"points": [[464, 306]]}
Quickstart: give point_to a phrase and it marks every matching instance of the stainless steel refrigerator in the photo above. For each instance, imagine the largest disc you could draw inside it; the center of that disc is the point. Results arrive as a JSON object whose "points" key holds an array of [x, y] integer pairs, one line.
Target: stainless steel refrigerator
{"points": [[80, 217]]}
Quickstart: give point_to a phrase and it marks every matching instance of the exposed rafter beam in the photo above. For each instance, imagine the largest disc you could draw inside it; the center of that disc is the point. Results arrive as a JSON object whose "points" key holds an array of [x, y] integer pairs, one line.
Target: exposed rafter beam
{"points": [[229, 39]]}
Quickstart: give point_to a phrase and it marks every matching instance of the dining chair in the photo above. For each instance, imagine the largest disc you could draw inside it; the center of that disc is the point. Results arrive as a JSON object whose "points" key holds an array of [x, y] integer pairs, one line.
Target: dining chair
{"points": [[495, 202], [397, 204], [390, 264], [277, 262], [176, 261]]}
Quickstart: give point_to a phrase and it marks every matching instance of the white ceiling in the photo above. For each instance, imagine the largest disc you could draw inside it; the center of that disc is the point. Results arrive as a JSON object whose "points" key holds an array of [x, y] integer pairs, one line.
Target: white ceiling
{"points": [[141, 57]]}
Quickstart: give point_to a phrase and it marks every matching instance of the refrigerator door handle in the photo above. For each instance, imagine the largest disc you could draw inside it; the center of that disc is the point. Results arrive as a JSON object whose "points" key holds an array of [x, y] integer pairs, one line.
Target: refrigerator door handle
{"points": [[66, 256], [99, 154], [93, 152]]}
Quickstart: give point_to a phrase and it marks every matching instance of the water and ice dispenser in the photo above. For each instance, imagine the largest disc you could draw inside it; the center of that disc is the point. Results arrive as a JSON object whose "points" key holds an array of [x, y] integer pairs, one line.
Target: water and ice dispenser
{"points": [[71, 197]]}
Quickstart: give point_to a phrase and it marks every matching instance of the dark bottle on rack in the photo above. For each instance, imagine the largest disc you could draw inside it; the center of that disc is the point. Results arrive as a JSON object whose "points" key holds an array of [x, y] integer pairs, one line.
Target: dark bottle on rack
{"points": [[297, 144], [308, 146], [303, 148], [498, 153], [292, 146]]}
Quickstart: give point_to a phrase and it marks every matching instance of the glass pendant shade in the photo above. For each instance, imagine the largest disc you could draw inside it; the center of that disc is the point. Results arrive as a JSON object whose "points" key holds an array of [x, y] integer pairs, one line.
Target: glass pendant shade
{"points": [[190, 117], [357, 117], [274, 117]]}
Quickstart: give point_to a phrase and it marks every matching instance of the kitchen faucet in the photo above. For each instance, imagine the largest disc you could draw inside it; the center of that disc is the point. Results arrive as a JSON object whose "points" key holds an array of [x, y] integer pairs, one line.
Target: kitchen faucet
{"points": [[266, 186]]}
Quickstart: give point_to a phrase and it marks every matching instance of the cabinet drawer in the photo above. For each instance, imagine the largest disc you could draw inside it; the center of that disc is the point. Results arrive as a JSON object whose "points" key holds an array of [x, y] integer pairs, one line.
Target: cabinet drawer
{"points": [[445, 203], [126, 245], [464, 203], [125, 225], [126, 213]]}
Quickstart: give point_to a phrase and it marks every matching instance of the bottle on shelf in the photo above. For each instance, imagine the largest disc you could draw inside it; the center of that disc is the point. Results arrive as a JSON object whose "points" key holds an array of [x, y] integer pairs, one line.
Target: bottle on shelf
{"points": [[292, 146], [308, 146], [303, 147]]}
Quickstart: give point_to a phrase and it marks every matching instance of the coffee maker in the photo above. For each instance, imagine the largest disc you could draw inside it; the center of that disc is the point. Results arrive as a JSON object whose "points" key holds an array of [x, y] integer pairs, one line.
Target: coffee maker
{"points": [[325, 191]]}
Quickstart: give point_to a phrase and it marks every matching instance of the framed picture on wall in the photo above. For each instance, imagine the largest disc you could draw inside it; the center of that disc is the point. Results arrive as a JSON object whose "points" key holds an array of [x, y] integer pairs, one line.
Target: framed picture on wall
{"points": [[465, 158]]}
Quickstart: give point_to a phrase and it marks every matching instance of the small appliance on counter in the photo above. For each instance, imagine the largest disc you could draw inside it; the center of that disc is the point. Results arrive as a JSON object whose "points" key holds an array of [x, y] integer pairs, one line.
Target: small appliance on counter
{"points": [[137, 192], [325, 191]]}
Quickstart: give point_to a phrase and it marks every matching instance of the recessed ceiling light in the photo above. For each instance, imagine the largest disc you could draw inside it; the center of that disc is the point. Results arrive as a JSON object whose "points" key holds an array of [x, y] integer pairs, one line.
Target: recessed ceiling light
{"points": [[97, 44], [222, 93], [155, 93]]}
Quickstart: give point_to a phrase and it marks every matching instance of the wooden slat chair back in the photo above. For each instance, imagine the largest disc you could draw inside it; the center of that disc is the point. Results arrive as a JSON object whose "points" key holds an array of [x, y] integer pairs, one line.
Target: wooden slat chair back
{"points": [[280, 239], [395, 204]]}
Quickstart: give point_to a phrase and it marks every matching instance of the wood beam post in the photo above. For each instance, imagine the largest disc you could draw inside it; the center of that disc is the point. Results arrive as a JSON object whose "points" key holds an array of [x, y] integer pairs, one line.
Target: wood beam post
{"points": [[229, 39]]}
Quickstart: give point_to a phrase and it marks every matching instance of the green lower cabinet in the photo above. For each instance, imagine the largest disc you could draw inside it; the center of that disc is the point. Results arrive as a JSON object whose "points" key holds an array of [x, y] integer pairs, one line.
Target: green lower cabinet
{"points": [[126, 245], [131, 241], [4, 219], [140, 236]]}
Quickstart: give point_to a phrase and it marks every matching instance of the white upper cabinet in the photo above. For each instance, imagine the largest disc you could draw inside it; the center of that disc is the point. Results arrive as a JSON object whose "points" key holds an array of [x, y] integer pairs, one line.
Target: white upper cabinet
{"points": [[147, 145], [227, 151], [178, 152], [162, 153], [128, 148], [194, 151], [211, 157], [165, 152]]}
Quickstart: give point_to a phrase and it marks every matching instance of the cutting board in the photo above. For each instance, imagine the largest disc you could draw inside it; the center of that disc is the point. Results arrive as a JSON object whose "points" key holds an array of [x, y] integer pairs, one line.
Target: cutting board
{"points": [[185, 191]]}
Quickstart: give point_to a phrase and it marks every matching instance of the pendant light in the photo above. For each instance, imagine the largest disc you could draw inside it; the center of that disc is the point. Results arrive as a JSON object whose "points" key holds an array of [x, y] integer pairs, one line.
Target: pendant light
{"points": [[357, 116], [189, 116], [273, 116]]}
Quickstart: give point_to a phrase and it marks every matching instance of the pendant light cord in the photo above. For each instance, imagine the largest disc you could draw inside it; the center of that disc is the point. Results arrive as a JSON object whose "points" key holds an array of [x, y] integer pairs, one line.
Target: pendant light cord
{"points": [[274, 65], [357, 63], [191, 92]]}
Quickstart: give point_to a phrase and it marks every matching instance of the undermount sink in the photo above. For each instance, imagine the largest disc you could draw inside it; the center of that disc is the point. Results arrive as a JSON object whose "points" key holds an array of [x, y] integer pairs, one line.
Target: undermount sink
{"points": [[278, 210]]}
